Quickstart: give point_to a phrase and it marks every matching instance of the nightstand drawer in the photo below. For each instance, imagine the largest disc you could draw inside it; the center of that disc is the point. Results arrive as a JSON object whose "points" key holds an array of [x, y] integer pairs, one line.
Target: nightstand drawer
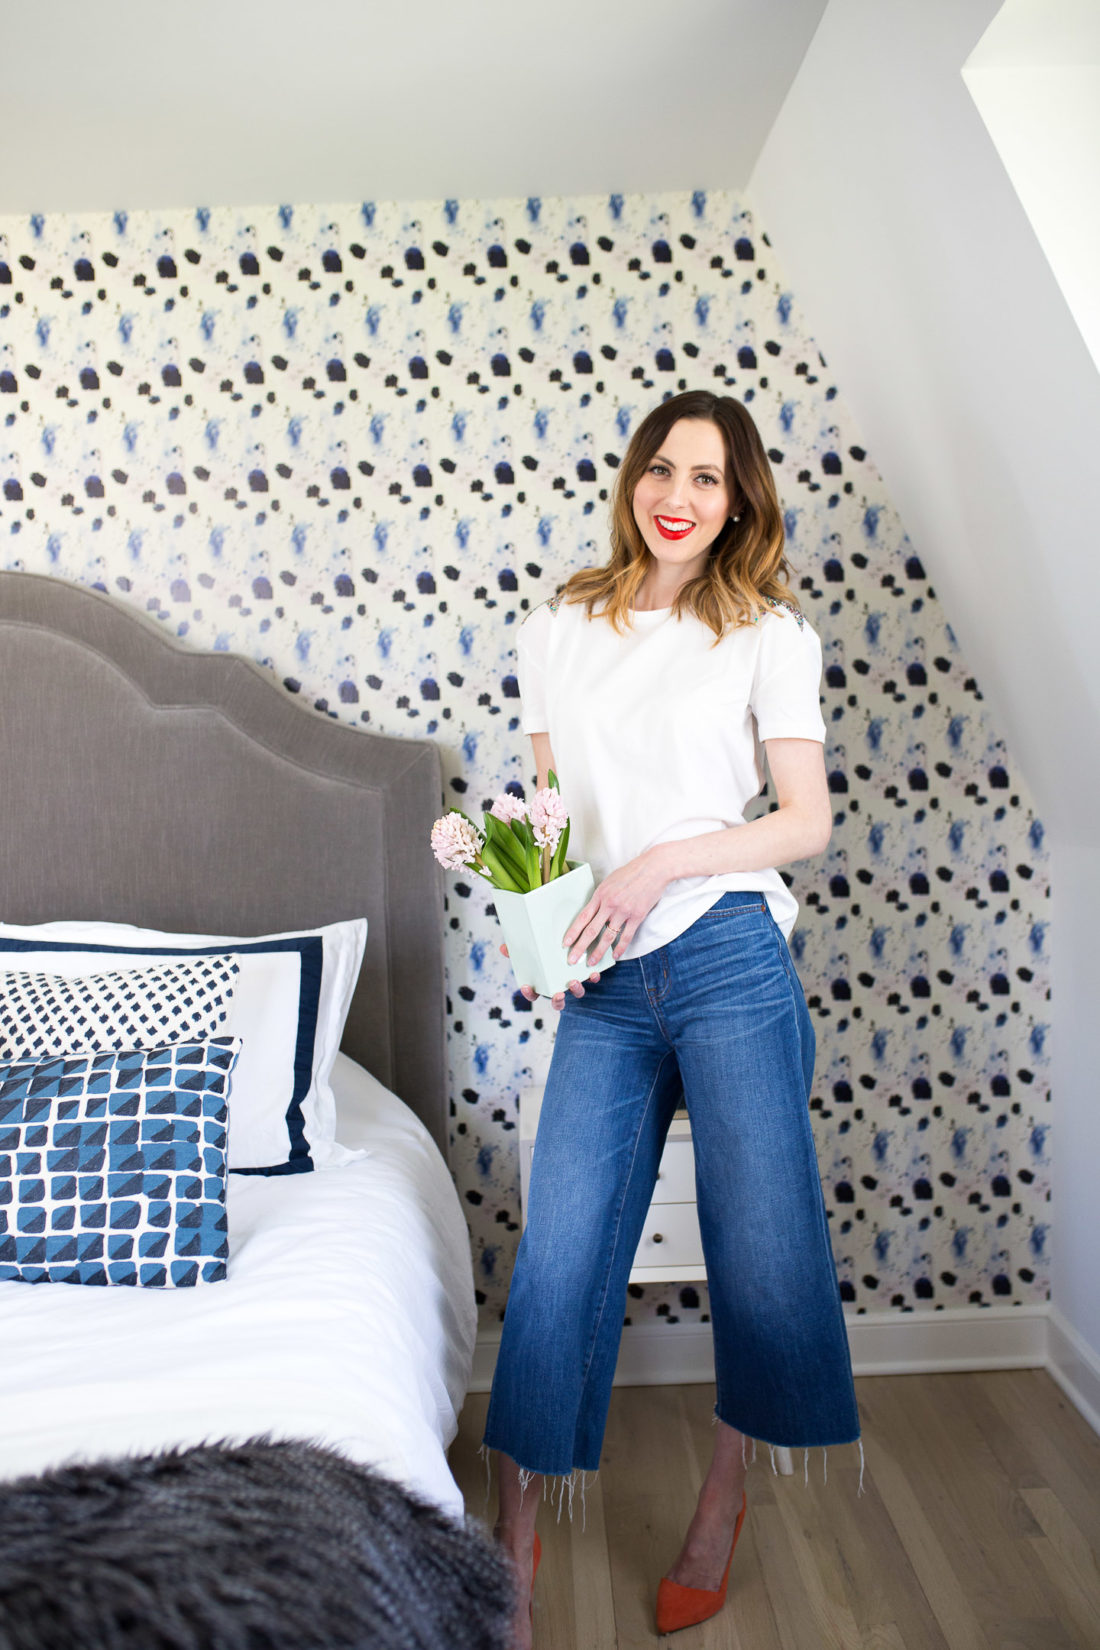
{"points": [[676, 1175], [670, 1236]]}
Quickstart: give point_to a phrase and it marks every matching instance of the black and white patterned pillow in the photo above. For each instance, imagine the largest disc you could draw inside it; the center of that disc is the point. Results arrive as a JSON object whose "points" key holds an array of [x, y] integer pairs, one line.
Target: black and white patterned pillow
{"points": [[141, 1008]]}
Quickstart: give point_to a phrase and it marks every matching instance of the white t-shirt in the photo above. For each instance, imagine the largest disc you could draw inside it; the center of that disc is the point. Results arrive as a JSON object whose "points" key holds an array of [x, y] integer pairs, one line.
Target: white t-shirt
{"points": [[657, 736]]}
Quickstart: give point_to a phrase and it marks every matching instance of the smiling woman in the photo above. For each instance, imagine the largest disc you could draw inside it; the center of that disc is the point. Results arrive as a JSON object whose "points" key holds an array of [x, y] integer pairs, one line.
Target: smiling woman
{"points": [[681, 504], [696, 462], [652, 686]]}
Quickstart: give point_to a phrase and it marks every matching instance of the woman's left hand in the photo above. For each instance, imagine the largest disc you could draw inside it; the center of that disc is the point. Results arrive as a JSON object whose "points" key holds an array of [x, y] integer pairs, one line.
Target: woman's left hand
{"points": [[617, 907]]}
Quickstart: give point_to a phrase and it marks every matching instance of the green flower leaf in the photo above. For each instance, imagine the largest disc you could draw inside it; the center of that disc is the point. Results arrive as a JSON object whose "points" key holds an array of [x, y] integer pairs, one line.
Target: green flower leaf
{"points": [[502, 876], [557, 864], [504, 843]]}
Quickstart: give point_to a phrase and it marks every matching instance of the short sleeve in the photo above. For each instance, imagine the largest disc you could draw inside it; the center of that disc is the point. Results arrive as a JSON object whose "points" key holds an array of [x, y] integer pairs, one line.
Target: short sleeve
{"points": [[532, 646], [786, 688]]}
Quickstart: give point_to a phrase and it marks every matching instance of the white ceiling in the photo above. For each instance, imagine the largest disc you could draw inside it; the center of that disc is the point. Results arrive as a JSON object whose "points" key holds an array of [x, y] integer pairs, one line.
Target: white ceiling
{"points": [[145, 103]]}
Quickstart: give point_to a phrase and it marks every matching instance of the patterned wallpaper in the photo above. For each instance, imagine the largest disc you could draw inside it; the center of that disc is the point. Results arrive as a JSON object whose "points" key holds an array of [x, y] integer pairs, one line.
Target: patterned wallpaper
{"points": [[357, 443]]}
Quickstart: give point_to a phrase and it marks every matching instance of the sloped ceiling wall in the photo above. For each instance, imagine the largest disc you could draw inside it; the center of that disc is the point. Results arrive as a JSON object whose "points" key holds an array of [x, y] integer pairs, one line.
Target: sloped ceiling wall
{"points": [[932, 299]]}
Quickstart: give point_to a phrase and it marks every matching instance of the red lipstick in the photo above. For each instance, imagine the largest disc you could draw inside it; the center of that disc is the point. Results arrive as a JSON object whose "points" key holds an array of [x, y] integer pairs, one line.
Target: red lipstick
{"points": [[673, 527]]}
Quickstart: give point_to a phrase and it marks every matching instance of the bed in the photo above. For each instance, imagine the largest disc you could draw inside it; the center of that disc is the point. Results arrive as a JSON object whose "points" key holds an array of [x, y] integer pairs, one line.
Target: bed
{"points": [[152, 793]]}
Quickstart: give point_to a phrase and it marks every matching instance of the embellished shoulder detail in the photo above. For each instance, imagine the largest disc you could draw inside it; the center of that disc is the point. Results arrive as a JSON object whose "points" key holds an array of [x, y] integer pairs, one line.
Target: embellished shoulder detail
{"points": [[777, 602], [552, 602]]}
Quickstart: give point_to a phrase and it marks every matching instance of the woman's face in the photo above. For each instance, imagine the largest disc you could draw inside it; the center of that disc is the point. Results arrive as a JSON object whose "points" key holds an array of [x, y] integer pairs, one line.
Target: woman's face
{"points": [[682, 503]]}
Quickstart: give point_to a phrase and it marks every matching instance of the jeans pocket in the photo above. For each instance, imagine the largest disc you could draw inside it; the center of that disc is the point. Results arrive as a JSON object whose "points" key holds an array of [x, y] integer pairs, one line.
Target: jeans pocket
{"points": [[736, 904]]}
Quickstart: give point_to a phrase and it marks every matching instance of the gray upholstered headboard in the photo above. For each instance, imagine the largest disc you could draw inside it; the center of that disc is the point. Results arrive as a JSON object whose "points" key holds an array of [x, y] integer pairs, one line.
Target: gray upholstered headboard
{"points": [[144, 782]]}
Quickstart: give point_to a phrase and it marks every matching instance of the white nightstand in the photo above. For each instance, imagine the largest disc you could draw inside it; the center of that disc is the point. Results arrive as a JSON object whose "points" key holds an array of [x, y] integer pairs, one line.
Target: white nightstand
{"points": [[671, 1248]]}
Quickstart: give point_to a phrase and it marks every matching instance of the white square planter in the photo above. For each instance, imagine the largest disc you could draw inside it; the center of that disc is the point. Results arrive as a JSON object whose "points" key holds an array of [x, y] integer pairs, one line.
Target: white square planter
{"points": [[533, 925]]}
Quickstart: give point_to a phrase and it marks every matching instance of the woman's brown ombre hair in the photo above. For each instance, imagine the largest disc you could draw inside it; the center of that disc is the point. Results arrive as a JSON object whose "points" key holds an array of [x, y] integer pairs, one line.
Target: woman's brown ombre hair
{"points": [[746, 566]]}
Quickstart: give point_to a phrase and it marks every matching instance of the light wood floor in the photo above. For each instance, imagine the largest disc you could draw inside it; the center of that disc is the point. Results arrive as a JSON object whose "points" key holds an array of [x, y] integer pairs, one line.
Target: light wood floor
{"points": [[978, 1528]]}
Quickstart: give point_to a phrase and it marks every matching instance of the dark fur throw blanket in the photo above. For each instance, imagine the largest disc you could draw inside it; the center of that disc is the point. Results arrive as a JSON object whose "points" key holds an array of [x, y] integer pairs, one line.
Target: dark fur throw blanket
{"points": [[260, 1546]]}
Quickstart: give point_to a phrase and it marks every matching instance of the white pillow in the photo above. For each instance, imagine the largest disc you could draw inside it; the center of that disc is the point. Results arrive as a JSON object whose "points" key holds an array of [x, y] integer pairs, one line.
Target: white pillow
{"points": [[289, 1006]]}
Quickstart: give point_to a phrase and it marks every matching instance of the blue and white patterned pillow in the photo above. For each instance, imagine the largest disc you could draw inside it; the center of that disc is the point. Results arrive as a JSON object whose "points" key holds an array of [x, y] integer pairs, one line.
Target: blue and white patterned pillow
{"points": [[42, 1014], [113, 1166]]}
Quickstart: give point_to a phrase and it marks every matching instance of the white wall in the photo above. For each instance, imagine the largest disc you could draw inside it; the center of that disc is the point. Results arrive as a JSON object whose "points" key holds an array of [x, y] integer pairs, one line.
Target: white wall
{"points": [[935, 307]]}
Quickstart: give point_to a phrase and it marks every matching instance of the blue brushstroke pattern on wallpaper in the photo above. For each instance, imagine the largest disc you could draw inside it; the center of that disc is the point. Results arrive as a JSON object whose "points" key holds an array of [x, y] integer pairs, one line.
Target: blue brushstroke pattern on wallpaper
{"points": [[358, 443]]}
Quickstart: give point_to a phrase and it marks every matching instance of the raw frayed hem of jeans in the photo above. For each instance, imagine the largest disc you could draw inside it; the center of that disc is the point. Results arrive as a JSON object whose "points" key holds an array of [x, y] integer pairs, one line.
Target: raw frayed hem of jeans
{"points": [[558, 1488], [565, 1488], [805, 1459]]}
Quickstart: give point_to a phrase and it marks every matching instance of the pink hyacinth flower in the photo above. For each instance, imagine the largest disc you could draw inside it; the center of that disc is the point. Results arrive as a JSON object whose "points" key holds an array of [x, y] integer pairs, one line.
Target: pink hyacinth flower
{"points": [[549, 817], [455, 843], [508, 807]]}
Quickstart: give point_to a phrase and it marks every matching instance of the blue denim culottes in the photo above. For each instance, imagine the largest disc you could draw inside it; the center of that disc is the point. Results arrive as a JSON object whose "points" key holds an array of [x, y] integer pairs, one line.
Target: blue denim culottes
{"points": [[717, 1021]]}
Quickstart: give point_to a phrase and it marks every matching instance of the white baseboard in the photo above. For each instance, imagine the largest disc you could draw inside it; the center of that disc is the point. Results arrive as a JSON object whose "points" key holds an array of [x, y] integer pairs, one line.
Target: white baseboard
{"points": [[1075, 1367], [966, 1337], [882, 1343]]}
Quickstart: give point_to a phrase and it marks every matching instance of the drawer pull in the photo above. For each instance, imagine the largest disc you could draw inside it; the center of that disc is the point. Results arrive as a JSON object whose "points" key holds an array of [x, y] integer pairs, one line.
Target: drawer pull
{"points": [[657, 1238]]}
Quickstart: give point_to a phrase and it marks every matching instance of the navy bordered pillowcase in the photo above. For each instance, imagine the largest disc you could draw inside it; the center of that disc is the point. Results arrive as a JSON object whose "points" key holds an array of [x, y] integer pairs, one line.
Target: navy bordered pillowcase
{"points": [[113, 1166], [290, 1000]]}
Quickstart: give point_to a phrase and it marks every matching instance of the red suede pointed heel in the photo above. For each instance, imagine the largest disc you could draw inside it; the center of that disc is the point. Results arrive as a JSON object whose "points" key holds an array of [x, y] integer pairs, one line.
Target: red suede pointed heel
{"points": [[685, 1606]]}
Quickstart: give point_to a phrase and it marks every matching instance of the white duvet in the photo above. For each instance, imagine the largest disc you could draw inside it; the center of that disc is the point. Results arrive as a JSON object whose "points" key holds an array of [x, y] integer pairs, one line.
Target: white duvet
{"points": [[347, 1318]]}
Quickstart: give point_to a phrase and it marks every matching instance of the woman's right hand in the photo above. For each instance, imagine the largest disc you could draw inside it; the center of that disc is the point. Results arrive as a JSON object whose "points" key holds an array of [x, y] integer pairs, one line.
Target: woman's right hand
{"points": [[558, 999]]}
